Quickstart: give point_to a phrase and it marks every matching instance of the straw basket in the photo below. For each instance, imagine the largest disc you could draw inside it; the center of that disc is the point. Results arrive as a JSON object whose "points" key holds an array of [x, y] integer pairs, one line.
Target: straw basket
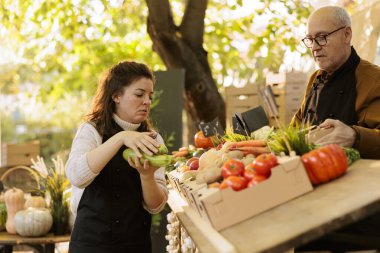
{"points": [[21, 177]]}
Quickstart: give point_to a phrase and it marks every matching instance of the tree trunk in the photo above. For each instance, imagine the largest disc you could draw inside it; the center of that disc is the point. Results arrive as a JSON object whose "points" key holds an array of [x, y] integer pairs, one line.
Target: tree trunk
{"points": [[181, 47]]}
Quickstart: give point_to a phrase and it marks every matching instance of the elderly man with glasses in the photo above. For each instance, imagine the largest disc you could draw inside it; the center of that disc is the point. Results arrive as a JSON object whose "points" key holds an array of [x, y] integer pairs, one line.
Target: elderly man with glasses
{"points": [[344, 94]]}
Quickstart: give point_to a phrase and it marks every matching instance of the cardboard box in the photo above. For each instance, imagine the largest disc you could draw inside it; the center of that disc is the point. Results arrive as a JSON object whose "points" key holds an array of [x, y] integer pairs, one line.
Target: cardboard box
{"points": [[19, 154], [173, 177], [191, 189], [186, 188], [223, 208]]}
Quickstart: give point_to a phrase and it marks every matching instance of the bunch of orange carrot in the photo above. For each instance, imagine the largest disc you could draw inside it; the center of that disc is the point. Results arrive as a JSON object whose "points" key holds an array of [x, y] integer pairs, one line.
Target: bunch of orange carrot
{"points": [[255, 147], [182, 152]]}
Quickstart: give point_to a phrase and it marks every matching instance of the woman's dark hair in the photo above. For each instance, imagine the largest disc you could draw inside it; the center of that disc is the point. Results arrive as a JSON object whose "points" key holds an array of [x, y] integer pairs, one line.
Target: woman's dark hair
{"points": [[115, 79]]}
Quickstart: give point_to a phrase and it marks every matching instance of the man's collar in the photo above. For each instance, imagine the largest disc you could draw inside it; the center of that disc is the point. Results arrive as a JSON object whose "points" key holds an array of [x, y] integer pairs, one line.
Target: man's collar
{"points": [[322, 75]]}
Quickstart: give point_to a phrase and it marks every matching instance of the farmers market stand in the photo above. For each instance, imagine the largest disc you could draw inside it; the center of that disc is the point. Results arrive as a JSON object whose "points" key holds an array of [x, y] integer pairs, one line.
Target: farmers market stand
{"points": [[328, 207], [45, 244]]}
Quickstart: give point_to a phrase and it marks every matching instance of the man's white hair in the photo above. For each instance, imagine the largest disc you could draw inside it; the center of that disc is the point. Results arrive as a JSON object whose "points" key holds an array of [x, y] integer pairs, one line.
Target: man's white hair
{"points": [[340, 15]]}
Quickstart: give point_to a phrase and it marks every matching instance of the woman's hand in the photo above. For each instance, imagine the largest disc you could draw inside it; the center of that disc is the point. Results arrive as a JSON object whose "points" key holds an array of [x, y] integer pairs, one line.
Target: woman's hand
{"points": [[138, 142], [146, 171], [154, 196]]}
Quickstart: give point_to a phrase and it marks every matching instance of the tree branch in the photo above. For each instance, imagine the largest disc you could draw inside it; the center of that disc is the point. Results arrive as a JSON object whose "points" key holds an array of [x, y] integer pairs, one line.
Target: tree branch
{"points": [[192, 26], [160, 15]]}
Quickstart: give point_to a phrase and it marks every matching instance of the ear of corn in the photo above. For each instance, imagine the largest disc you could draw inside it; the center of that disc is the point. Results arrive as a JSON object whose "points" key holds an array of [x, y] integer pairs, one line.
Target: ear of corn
{"points": [[155, 160]]}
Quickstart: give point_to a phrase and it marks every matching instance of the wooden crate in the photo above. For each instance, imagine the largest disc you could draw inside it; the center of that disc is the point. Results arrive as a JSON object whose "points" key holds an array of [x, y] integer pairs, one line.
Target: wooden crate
{"points": [[289, 82], [292, 78], [19, 154], [288, 105], [288, 89], [285, 117], [240, 100]]}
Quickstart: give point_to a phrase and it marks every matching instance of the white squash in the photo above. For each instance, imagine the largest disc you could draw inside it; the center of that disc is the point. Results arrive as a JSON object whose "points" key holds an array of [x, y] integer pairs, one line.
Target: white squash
{"points": [[209, 158], [33, 221]]}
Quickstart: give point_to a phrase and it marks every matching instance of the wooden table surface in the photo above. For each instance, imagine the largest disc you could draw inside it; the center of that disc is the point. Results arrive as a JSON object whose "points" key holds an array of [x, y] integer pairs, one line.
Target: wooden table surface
{"points": [[42, 244], [327, 208], [6, 238]]}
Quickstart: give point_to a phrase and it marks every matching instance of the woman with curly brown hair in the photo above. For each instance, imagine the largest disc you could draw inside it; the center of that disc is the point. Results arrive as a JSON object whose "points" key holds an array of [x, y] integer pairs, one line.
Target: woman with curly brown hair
{"points": [[113, 199]]}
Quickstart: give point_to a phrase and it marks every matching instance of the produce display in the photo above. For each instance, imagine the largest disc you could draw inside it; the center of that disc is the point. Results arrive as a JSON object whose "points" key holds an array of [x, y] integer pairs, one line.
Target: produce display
{"points": [[270, 166], [238, 164], [236, 161], [23, 214]]}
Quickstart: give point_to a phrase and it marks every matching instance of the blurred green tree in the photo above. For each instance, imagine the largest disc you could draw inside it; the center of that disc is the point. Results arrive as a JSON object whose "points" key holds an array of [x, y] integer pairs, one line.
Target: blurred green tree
{"points": [[62, 46]]}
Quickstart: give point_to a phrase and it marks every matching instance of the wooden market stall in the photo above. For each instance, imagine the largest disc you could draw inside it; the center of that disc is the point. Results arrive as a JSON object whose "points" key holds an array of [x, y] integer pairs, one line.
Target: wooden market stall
{"points": [[296, 222]]}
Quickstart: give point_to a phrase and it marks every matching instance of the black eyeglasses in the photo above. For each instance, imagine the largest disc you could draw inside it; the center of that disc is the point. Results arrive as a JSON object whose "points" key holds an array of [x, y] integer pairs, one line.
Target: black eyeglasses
{"points": [[321, 40]]}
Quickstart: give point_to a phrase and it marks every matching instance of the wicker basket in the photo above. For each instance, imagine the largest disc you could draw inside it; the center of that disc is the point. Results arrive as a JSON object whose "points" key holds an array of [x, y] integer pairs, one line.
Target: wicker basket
{"points": [[21, 177]]}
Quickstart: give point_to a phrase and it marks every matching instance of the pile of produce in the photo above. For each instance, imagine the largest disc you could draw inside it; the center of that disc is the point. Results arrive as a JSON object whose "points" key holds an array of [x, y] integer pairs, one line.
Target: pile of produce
{"points": [[24, 217], [238, 176], [237, 161]]}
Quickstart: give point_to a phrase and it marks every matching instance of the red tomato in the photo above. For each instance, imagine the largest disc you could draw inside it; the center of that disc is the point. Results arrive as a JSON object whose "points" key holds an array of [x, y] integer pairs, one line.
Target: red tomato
{"points": [[250, 173], [237, 183], [201, 141], [188, 162], [232, 167], [256, 179], [264, 163], [194, 165]]}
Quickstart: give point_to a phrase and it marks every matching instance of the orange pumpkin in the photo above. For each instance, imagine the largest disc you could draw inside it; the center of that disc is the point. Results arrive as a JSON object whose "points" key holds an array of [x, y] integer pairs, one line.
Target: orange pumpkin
{"points": [[201, 141], [325, 163]]}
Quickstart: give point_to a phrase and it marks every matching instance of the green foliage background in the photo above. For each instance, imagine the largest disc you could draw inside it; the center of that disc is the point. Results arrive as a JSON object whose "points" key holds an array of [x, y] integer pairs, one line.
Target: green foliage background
{"points": [[62, 47]]}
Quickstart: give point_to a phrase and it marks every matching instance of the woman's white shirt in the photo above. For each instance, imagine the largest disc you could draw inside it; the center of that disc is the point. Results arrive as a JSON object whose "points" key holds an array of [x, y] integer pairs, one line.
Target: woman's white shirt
{"points": [[79, 173]]}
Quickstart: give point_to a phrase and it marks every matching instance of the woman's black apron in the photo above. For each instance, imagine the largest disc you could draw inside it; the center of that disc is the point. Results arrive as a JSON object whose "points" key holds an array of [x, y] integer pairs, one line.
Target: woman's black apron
{"points": [[110, 215]]}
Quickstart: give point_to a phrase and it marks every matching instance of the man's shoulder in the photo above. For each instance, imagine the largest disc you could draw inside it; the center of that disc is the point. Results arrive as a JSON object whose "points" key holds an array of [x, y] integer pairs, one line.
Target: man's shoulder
{"points": [[368, 70]]}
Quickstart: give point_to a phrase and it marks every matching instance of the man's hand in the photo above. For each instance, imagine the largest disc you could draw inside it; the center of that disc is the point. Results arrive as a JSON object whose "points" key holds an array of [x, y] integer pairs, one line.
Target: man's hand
{"points": [[341, 134]]}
